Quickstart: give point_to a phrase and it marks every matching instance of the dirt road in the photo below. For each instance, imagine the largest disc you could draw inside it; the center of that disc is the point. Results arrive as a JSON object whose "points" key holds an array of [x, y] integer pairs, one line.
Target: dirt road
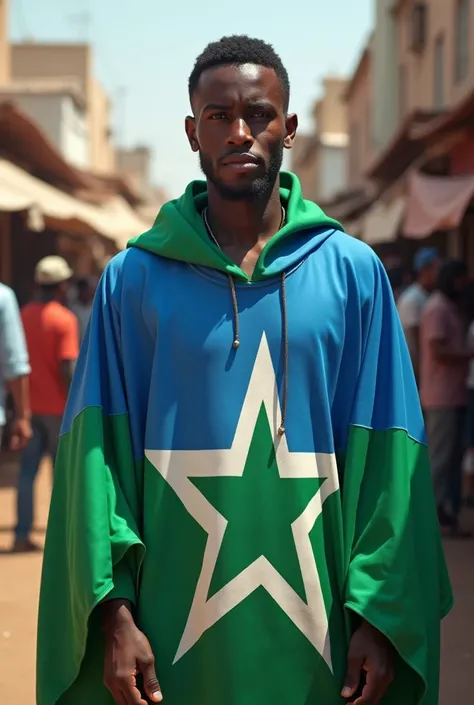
{"points": [[19, 581]]}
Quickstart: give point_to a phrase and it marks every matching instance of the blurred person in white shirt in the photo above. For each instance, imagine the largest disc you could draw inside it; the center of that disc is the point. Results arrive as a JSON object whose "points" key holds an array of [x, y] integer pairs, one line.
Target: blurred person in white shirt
{"points": [[413, 300]]}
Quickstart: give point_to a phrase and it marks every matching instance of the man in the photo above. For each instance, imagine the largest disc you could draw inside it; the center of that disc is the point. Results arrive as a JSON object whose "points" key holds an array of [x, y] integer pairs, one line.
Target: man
{"points": [[413, 300], [52, 337], [443, 390], [82, 306], [397, 276], [14, 369], [244, 362]]}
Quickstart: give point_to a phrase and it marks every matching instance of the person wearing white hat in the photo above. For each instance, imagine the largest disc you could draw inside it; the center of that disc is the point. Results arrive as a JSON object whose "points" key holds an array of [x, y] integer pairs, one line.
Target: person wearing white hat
{"points": [[52, 338]]}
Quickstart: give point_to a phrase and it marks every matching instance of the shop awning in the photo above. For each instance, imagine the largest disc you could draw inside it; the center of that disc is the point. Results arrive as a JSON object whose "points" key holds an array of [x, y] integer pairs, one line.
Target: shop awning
{"points": [[127, 223], [382, 222], [19, 191], [354, 228], [436, 203]]}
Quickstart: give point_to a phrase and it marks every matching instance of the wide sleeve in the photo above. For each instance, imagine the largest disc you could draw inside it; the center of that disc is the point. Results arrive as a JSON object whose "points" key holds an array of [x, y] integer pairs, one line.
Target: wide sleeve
{"points": [[396, 572], [93, 544]]}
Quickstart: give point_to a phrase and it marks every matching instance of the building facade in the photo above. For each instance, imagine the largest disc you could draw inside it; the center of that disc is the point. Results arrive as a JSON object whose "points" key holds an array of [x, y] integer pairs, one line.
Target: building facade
{"points": [[359, 108], [4, 43], [320, 158], [32, 62], [435, 53], [419, 61], [385, 90], [59, 110], [410, 108], [136, 164]]}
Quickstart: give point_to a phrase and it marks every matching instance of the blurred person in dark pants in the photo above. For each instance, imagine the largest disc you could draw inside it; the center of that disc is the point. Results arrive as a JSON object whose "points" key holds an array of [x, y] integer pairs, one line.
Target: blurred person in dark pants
{"points": [[52, 338], [444, 367]]}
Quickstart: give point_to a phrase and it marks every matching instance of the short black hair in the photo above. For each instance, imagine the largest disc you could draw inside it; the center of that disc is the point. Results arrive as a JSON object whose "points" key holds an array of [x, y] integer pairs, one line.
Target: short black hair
{"points": [[450, 270], [236, 50]]}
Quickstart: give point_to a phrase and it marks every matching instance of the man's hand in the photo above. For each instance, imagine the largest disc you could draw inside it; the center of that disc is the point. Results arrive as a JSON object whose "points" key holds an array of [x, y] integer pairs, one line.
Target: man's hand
{"points": [[21, 434], [371, 652], [127, 653]]}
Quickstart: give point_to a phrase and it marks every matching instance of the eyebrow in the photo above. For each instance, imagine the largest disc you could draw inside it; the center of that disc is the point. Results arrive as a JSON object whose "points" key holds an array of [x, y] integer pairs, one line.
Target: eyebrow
{"points": [[261, 104], [215, 106]]}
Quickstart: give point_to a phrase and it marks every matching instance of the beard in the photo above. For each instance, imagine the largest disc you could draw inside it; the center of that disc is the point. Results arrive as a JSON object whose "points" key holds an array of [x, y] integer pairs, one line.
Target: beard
{"points": [[258, 190]]}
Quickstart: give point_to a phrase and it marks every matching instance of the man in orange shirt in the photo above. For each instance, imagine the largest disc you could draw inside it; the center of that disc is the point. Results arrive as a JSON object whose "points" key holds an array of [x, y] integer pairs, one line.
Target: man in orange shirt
{"points": [[52, 336]]}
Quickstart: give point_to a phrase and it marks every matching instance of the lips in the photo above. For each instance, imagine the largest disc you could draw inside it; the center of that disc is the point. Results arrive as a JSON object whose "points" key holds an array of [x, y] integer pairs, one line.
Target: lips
{"points": [[240, 159]]}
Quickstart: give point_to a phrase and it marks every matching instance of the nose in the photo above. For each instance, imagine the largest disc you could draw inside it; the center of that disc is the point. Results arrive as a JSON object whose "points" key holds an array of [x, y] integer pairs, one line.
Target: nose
{"points": [[240, 133]]}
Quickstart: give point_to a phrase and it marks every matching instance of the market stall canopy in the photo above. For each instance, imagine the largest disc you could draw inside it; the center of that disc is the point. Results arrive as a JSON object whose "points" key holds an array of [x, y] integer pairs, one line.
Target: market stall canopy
{"points": [[436, 203], [19, 191], [382, 222]]}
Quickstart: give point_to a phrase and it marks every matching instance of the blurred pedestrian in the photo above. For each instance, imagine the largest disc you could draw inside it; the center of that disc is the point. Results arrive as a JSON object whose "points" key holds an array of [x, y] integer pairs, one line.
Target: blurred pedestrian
{"points": [[82, 306], [396, 277], [52, 337], [14, 369], [444, 367], [413, 300], [468, 464]]}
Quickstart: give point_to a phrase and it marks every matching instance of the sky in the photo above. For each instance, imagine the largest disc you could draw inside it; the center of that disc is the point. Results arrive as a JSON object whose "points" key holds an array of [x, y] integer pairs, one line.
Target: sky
{"points": [[144, 52]]}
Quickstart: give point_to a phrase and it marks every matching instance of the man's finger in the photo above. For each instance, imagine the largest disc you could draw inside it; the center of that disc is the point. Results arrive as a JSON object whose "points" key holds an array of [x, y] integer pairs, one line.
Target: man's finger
{"points": [[119, 699], [352, 680], [130, 692], [374, 689], [150, 681]]}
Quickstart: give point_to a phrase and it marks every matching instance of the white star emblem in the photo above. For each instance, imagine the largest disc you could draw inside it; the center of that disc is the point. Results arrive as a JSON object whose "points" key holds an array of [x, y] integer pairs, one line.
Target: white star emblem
{"points": [[177, 466]]}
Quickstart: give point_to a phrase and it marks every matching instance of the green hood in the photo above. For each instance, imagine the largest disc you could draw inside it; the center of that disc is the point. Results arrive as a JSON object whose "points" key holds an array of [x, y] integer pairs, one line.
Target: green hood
{"points": [[179, 232]]}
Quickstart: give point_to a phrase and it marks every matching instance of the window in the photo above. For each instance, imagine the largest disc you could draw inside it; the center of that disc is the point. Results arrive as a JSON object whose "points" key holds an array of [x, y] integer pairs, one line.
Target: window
{"points": [[418, 27], [402, 92], [368, 127], [354, 147], [439, 73], [461, 40]]}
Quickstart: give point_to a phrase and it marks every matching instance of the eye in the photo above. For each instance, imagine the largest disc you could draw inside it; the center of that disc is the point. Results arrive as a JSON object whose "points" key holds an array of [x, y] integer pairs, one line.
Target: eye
{"points": [[217, 116], [261, 115]]}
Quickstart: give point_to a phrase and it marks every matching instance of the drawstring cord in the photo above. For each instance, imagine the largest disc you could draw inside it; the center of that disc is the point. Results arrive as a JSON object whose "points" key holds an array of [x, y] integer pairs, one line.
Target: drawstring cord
{"points": [[284, 322], [235, 308]]}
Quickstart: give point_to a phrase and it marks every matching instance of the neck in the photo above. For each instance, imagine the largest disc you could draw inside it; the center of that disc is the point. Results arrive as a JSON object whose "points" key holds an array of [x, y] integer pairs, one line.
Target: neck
{"points": [[422, 284], [47, 298], [246, 222]]}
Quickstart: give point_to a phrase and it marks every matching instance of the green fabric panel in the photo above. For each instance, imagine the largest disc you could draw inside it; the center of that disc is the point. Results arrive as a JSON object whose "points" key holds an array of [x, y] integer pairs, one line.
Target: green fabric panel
{"points": [[92, 527], [180, 234], [396, 573], [377, 547]]}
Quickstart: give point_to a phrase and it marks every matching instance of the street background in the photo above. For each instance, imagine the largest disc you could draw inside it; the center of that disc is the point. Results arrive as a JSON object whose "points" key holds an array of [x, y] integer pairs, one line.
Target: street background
{"points": [[92, 105]]}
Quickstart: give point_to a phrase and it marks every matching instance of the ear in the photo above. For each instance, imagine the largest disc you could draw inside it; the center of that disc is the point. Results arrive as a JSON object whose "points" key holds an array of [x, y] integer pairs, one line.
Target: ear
{"points": [[291, 124], [190, 127]]}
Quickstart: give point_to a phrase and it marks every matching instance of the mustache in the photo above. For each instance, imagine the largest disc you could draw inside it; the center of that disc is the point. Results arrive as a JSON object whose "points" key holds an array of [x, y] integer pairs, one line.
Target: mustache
{"points": [[241, 153]]}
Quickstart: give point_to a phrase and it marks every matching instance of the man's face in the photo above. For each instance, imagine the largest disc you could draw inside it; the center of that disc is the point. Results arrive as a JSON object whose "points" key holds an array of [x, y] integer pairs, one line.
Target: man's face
{"points": [[432, 274], [240, 128]]}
